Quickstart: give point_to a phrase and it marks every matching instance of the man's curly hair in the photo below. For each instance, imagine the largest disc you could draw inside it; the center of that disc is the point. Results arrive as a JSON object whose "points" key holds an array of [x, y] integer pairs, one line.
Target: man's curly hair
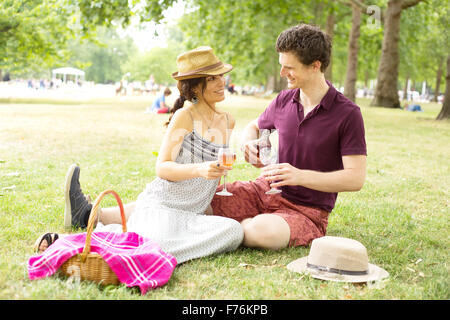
{"points": [[308, 42]]}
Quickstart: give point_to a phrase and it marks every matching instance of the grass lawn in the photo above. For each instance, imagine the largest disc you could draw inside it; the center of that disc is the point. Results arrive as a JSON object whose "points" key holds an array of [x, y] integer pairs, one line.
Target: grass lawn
{"points": [[401, 214]]}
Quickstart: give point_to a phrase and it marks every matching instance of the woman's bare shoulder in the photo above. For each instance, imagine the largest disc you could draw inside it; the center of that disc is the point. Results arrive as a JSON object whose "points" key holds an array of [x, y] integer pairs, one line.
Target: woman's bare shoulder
{"points": [[182, 119]]}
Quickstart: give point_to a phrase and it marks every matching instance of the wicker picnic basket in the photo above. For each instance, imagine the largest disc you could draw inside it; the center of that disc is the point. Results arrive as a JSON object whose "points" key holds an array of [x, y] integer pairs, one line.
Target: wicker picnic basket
{"points": [[91, 266]]}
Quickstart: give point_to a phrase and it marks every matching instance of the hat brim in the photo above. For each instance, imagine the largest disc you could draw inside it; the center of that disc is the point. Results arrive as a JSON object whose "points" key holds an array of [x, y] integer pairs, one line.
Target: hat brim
{"points": [[214, 72], [374, 273]]}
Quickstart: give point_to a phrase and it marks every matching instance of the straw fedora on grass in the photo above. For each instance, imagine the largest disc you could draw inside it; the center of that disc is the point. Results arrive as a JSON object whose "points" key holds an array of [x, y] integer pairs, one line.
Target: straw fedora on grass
{"points": [[338, 259], [199, 62]]}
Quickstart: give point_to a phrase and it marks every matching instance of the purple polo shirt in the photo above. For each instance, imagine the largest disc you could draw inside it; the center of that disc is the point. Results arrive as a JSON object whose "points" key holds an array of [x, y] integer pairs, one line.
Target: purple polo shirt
{"points": [[333, 129]]}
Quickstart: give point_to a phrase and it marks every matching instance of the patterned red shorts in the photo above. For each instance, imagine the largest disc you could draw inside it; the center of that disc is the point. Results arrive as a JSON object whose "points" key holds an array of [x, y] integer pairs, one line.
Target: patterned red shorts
{"points": [[249, 199]]}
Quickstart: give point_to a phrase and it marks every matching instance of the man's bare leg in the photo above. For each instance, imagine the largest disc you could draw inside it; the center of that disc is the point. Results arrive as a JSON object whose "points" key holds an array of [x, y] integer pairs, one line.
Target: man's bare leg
{"points": [[266, 231]]}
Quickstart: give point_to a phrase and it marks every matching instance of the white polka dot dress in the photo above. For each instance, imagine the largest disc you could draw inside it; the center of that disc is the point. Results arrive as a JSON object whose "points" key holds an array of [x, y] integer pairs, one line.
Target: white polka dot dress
{"points": [[172, 213]]}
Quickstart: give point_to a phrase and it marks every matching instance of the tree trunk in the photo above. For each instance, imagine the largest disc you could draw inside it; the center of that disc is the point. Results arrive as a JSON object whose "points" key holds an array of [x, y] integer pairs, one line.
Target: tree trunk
{"points": [[438, 80], [279, 82], [386, 94], [318, 10], [330, 31], [275, 82], [352, 59], [405, 89], [1, 75], [272, 78], [270, 85], [283, 83], [445, 111], [366, 81]]}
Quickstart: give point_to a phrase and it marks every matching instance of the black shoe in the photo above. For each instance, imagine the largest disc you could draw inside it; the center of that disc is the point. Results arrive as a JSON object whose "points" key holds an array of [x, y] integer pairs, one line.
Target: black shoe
{"points": [[78, 207]]}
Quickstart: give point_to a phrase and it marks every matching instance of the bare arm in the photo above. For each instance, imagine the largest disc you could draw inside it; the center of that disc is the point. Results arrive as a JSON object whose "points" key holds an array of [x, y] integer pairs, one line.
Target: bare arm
{"points": [[251, 132], [351, 178]]}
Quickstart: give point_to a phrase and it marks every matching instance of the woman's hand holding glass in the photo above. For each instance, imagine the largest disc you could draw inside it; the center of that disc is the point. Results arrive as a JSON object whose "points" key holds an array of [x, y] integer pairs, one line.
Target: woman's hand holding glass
{"points": [[226, 158], [212, 170]]}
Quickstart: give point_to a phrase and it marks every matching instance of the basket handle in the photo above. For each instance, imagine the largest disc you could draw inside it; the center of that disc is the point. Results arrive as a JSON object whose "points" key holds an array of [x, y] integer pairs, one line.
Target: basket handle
{"points": [[93, 218]]}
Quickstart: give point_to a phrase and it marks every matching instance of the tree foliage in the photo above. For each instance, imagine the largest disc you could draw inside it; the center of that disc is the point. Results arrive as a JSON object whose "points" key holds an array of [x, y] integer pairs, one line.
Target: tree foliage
{"points": [[37, 34], [243, 32], [159, 62], [102, 57], [33, 33]]}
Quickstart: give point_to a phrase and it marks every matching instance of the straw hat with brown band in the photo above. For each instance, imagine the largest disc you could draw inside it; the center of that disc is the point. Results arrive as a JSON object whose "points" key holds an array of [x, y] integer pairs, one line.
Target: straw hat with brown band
{"points": [[199, 62]]}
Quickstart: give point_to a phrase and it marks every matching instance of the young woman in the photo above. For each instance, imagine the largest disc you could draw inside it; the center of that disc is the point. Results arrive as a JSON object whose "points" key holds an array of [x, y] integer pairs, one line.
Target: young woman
{"points": [[171, 209]]}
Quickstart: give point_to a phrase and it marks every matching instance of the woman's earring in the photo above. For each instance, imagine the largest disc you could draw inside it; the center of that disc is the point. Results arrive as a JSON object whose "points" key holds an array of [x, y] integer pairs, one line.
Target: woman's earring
{"points": [[194, 100]]}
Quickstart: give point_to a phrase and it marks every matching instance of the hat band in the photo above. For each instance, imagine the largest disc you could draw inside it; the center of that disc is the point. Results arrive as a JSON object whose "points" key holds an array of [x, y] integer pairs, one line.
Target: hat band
{"points": [[338, 271], [210, 67]]}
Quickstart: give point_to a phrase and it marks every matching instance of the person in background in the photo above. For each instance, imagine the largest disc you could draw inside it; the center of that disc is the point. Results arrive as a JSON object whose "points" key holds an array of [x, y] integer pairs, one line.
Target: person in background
{"points": [[159, 105], [413, 107]]}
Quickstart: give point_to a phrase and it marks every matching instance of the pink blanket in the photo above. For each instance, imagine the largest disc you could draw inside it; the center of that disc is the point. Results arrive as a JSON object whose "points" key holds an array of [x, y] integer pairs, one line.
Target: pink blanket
{"points": [[137, 261]]}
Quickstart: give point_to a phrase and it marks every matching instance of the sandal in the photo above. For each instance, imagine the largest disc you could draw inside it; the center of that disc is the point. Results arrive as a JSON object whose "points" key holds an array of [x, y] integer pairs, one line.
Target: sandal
{"points": [[50, 237]]}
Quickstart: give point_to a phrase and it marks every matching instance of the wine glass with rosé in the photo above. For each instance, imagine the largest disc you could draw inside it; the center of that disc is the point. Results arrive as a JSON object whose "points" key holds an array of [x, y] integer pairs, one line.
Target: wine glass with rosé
{"points": [[226, 158]]}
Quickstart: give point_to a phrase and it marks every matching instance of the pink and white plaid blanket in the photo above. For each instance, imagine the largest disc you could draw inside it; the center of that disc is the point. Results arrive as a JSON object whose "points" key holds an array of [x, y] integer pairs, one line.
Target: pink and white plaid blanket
{"points": [[136, 260]]}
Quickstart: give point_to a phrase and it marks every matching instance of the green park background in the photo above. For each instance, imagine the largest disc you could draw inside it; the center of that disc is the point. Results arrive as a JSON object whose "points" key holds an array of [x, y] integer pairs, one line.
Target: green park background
{"points": [[386, 55]]}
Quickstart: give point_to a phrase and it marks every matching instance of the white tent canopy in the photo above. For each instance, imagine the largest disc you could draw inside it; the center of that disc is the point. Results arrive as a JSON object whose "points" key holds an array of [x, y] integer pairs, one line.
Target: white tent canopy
{"points": [[68, 71]]}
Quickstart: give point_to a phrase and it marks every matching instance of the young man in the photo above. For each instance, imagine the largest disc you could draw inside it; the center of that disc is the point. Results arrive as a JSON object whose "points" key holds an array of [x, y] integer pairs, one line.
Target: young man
{"points": [[322, 151]]}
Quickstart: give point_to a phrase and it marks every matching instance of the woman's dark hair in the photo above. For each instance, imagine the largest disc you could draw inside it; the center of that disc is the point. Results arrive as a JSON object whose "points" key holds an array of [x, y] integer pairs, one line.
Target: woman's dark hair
{"points": [[308, 42], [186, 88]]}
